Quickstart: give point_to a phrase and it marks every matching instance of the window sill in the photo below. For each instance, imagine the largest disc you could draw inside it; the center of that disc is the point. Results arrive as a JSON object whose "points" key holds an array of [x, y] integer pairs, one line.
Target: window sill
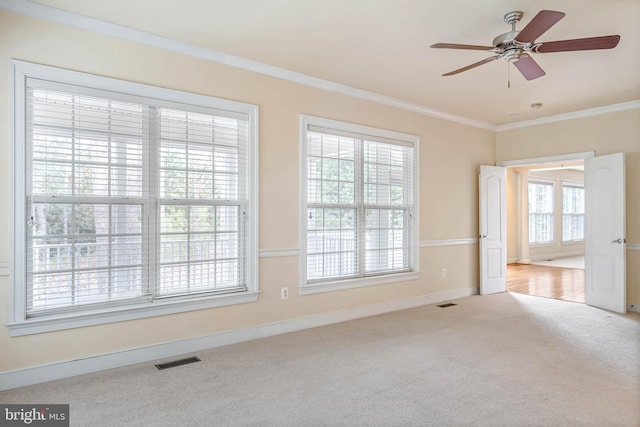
{"points": [[573, 242], [339, 285], [124, 313]]}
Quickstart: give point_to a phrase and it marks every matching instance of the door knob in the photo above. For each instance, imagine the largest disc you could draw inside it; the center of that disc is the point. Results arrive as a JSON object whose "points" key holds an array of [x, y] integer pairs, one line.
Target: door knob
{"points": [[619, 241]]}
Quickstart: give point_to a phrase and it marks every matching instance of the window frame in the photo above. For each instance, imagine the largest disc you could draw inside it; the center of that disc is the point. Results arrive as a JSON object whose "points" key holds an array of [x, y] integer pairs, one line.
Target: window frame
{"points": [[18, 322], [571, 184], [551, 183], [307, 286]]}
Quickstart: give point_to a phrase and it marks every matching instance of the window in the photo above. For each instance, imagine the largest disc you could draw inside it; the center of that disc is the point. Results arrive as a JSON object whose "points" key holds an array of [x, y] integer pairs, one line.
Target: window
{"points": [[133, 196], [359, 199], [540, 212], [572, 212]]}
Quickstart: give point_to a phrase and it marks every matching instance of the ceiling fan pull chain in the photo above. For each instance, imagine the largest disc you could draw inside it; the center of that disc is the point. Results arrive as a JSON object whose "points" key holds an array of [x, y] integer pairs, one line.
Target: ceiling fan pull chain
{"points": [[508, 75]]}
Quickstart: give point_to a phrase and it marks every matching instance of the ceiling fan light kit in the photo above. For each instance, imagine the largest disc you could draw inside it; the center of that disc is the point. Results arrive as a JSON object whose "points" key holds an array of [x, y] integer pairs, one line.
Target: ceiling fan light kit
{"points": [[514, 46]]}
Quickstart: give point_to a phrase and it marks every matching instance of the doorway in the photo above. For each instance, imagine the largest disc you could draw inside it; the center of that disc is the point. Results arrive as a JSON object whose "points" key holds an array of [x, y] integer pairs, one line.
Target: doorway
{"points": [[545, 225], [604, 226]]}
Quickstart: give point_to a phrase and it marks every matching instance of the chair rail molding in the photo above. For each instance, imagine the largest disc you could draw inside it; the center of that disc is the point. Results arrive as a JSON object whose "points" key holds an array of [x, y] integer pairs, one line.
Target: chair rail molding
{"points": [[278, 253], [448, 242]]}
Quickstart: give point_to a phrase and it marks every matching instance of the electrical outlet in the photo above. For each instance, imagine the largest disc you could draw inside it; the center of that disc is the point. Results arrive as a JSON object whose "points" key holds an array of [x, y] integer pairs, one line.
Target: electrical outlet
{"points": [[284, 293], [444, 272]]}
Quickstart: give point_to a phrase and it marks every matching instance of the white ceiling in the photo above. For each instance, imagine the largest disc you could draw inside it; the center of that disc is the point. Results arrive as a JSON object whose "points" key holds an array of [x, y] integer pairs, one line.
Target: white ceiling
{"points": [[382, 46]]}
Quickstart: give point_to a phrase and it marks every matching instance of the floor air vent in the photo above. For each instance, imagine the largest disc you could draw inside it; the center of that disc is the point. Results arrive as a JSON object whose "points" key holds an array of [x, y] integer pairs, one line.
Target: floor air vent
{"points": [[449, 304], [175, 363]]}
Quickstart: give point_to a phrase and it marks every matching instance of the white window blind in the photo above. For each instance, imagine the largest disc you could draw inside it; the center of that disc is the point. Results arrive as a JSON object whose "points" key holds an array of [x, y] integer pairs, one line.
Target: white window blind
{"points": [[572, 213], [540, 212], [202, 203], [130, 199], [359, 205]]}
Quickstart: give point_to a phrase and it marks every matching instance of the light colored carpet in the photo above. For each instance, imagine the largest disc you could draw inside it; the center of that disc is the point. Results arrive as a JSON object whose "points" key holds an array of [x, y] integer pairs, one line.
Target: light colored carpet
{"points": [[499, 360], [564, 262]]}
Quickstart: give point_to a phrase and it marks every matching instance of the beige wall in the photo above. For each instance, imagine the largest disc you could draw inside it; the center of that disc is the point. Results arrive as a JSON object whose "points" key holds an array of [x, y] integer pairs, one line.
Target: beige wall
{"points": [[605, 134], [449, 156]]}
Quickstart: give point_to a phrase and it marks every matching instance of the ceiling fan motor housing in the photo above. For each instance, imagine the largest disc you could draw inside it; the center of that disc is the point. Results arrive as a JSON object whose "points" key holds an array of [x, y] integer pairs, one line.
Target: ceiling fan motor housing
{"points": [[507, 46]]}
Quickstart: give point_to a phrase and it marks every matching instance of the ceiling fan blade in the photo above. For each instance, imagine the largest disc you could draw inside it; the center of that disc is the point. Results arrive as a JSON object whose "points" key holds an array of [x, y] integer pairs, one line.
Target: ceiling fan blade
{"points": [[528, 67], [460, 46], [589, 43], [474, 65], [539, 25]]}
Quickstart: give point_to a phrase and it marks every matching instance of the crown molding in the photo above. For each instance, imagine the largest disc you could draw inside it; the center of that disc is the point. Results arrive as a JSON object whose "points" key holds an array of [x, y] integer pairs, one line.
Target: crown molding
{"points": [[59, 16], [573, 115]]}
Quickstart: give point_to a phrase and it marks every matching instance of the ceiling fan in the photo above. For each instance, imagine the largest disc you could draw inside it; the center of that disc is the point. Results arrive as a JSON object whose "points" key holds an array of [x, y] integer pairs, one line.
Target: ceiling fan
{"points": [[514, 45]]}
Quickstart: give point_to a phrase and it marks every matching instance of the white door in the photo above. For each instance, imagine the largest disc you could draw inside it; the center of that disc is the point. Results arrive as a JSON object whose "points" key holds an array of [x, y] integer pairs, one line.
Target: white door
{"points": [[605, 248], [493, 230]]}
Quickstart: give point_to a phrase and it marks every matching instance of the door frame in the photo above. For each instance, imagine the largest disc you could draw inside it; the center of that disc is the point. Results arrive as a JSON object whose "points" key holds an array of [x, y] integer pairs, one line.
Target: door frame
{"points": [[540, 161], [535, 161]]}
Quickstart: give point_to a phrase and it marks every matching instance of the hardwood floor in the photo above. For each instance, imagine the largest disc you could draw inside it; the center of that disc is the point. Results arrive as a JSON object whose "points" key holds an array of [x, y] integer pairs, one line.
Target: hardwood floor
{"points": [[551, 282]]}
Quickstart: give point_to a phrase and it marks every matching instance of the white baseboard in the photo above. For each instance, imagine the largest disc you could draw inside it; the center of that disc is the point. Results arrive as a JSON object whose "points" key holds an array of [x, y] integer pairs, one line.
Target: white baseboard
{"points": [[633, 307], [545, 257], [39, 374]]}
